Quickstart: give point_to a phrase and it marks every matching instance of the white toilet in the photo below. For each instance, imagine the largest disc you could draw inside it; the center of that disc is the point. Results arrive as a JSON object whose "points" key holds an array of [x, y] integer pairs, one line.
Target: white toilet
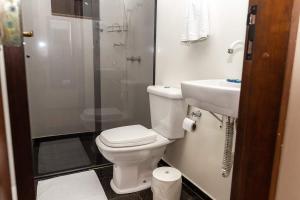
{"points": [[135, 150]]}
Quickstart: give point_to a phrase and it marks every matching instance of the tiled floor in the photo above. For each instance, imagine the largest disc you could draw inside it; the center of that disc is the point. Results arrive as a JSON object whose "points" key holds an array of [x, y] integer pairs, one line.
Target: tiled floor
{"points": [[62, 157], [105, 175]]}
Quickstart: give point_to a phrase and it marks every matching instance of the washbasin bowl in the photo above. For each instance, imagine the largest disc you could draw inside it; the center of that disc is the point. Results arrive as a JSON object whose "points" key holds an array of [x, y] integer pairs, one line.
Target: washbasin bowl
{"points": [[218, 95]]}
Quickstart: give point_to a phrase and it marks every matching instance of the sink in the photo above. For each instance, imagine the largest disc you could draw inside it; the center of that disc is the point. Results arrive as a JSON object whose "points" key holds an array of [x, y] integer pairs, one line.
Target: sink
{"points": [[216, 95]]}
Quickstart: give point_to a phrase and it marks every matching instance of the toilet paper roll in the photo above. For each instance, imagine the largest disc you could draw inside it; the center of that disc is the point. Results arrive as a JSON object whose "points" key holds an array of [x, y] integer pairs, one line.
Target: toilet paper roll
{"points": [[166, 183], [189, 125]]}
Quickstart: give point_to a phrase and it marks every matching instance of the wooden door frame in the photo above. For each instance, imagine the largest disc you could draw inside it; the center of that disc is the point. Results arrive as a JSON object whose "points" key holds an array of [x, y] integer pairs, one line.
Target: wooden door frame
{"points": [[5, 183], [262, 89], [19, 119], [285, 96]]}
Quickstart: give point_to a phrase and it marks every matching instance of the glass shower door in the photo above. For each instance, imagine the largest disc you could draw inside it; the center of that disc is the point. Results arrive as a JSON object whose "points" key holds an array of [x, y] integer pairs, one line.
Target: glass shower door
{"points": [[60, 60], [88, 65]]}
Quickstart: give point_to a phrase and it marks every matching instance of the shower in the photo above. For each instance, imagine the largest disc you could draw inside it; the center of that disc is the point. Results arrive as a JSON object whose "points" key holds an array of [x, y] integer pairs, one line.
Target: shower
{"points": [[88, 65]]}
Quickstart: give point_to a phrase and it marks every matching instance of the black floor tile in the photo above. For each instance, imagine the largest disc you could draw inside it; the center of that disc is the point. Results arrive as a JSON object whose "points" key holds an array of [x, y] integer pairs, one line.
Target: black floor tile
{"points": [[188, 194], [105, 175], [89, 144]]}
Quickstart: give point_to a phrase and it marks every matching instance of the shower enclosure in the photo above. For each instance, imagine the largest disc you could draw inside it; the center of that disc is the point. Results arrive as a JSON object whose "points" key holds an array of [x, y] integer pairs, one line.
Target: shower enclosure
{"points": [[88, 64]]}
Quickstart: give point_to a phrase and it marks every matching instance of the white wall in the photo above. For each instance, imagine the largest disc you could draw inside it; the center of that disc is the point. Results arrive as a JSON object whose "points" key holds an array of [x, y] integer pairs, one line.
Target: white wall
{"points": [[199, 155], [289, 176]]}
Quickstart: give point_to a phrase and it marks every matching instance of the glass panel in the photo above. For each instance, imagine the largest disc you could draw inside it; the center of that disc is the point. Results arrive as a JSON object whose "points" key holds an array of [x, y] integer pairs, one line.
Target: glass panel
{"points": [[88, 64], [59, 63], [126, 61]]}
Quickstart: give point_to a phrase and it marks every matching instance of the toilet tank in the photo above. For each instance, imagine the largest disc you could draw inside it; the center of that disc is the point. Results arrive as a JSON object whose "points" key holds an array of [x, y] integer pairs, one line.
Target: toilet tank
{"points": [[167, 110]]}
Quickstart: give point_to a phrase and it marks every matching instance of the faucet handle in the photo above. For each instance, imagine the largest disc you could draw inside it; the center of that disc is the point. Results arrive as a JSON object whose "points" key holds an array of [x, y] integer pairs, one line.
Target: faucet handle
{"points": [[133, 59], [233, 45]]}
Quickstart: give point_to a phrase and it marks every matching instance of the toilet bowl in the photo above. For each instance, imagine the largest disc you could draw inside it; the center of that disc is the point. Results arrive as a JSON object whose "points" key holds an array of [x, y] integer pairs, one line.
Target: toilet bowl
{"points": [[135, 150], [133, 161]]}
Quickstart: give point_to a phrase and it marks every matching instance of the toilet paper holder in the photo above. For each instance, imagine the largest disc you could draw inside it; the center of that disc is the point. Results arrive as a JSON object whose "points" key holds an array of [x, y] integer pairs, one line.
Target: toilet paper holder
{"points": [[190, 122], [196, 114]]}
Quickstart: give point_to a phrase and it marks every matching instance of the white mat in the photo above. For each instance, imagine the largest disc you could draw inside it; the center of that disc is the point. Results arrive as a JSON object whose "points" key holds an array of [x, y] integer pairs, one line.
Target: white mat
{"points": [[79, 186]]}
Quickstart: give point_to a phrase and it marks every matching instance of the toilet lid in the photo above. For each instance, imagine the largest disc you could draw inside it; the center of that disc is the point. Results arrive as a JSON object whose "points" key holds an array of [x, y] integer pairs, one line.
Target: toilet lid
{"points": [[128, 136]]}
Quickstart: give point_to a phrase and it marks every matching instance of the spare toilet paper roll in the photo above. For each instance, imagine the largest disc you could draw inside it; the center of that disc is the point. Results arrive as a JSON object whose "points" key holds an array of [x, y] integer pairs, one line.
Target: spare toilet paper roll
{"points": [[166, 183], [189, 125]]}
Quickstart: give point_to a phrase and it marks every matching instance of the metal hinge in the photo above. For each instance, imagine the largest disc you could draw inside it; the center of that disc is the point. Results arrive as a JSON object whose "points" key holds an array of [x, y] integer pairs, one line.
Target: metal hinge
{"points": [[251, 23]]}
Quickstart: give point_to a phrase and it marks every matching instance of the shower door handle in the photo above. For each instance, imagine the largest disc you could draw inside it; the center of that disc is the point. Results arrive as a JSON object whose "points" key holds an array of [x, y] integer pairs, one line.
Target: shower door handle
{"points": [[28, 34]]}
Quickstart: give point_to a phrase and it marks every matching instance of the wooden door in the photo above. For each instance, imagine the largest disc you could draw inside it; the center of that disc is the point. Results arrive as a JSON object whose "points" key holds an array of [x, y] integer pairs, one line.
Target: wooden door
{"points": [[262, 89]]}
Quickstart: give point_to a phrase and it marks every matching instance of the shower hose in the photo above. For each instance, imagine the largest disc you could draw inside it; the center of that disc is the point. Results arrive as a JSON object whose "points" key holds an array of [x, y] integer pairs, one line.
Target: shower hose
{"points": [[228, 154]]}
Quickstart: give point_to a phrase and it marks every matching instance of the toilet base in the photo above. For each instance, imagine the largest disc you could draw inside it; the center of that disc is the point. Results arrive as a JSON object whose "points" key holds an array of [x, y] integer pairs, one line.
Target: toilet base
{"points": [[143, 186]]}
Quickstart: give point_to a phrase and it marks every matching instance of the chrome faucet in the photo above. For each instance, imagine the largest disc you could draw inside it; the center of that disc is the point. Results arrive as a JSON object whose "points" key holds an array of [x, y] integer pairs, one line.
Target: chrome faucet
{"points": [[133, 59], [119, 44]]}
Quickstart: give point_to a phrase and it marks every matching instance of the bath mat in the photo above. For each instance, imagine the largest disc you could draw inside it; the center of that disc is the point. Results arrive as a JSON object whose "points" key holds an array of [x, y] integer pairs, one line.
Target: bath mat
{"points": [[59, 155], [79, 186]]}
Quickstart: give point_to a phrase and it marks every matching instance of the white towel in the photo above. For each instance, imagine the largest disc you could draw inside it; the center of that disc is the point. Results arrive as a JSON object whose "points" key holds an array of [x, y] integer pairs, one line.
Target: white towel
{"points": [[196, 22]]}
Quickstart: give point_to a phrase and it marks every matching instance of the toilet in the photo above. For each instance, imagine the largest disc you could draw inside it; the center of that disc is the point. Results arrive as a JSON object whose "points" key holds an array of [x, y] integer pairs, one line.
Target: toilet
{"points": [[135, 150]]}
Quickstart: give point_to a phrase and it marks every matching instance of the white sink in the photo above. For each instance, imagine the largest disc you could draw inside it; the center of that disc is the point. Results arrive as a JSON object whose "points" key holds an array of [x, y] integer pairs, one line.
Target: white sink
{"points": [[218, 96]]}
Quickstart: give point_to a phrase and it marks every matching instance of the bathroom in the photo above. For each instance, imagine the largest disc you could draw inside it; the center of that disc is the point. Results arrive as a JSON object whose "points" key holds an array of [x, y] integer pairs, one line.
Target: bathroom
{"points": [[147, 99]]}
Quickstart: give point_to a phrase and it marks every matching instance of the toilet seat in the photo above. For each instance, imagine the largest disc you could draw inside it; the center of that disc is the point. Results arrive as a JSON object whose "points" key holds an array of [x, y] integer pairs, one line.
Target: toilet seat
{"points": [[160, 141], [128, 136]]}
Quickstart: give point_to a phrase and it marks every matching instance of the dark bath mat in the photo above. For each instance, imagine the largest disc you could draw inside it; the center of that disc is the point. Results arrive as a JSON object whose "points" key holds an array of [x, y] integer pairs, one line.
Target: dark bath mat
{"points": [[59, 155]]}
